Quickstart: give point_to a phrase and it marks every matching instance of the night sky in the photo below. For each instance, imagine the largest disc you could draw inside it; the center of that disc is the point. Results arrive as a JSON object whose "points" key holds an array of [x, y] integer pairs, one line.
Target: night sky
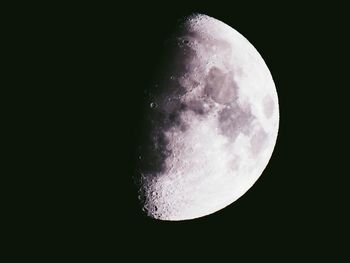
{"points": [[106, 57]]}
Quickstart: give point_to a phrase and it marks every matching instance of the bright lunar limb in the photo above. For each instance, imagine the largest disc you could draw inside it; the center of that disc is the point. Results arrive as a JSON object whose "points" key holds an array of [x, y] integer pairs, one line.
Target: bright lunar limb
{"points": [[211, 125]]}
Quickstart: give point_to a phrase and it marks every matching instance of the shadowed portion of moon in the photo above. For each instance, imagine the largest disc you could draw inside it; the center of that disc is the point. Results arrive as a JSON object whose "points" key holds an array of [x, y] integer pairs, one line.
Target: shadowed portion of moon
{"points": [[153, 151], [164, 106]]}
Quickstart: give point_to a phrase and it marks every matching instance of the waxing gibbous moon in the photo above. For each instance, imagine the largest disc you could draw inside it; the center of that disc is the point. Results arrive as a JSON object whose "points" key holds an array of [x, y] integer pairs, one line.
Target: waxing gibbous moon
{"points": [[211, 123]]}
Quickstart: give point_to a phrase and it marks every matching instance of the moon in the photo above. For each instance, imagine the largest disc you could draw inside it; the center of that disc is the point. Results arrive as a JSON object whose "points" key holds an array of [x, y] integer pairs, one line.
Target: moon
{"points": [[211, 123]]}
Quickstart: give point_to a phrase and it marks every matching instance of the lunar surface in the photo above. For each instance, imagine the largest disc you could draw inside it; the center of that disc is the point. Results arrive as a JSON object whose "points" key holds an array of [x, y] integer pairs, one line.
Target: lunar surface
{"points": [[211, 123]]}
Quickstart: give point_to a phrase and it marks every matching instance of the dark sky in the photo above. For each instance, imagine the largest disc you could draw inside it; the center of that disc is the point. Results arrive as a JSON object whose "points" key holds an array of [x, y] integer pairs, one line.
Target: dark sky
{"points": [[110, 53]]}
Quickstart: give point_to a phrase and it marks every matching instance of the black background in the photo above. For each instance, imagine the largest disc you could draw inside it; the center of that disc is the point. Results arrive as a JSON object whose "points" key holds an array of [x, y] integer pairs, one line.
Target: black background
{"points": [[97, 63]]}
